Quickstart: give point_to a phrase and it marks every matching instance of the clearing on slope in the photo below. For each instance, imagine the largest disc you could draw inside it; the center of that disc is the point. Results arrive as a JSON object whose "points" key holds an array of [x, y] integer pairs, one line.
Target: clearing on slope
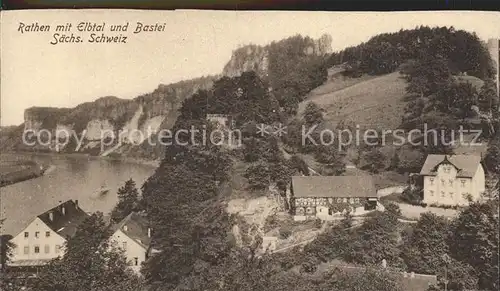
{"points": [[371, 103]]}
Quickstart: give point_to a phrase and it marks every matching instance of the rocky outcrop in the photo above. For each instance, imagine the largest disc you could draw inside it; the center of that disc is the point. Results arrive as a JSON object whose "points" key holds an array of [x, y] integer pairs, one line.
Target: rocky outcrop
{"points": [[248, 58], [257, 58], [128, 121]]}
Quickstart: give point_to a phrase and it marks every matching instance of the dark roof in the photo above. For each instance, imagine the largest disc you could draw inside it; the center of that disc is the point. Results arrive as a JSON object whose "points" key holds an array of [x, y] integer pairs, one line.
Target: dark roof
{"points": [[333, 186], [466, 164], [66, 218], [136, 228]]}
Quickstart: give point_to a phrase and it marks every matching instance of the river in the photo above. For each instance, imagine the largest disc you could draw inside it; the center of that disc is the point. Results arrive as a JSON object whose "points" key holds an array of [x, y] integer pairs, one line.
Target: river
{"points": [[70, 177]]}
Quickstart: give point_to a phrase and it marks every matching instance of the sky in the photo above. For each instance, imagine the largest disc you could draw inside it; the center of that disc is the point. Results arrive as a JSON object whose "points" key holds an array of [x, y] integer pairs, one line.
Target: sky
{"points": [[193, 44]]}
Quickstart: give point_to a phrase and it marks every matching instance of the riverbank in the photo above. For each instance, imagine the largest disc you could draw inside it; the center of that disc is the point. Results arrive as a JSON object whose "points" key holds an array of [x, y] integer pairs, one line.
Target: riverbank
{"points": [[18, 171], [152, 163]]}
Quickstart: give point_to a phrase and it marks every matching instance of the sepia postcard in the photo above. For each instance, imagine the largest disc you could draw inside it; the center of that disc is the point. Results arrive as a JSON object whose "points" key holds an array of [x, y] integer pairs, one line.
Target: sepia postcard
{"points": [[249, 150]]}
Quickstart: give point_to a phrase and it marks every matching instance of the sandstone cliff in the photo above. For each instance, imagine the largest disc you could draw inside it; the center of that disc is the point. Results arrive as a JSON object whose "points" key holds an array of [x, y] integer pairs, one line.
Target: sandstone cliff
{"points": [[126, 121], [258, 58]]}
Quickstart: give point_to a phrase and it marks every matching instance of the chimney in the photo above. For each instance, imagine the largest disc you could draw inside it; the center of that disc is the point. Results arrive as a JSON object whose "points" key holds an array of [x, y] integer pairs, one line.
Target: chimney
{"points": [[412, 275], [63, 210], [51, 216], [125, 227], [149, 231], [76, 203]]}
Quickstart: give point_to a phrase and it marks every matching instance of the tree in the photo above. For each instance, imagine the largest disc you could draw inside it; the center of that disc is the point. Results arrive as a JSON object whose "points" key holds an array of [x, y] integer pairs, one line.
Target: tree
{"points": [[439, 132], [347, 220], [427, 75], [258, 175], [474, 240], [6, 248], [394, 163], [423, 250], [313, 114], [456, 99], [90, 263], [299, 165], [128, 201], [366, 279], [457, 275], [375, 161], [332, 162], [377, 239], [191, 227], [412, 195], [410, 160], [488, 99], [492, 159]]}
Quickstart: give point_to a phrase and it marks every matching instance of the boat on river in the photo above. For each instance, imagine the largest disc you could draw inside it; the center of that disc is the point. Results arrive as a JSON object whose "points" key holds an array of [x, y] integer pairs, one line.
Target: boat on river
{"points": [[100, 192]]}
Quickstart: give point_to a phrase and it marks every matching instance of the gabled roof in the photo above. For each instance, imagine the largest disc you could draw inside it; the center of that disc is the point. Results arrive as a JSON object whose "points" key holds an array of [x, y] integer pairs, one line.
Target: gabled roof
{"points": [[333, 186], [65, 218], [466, 164], [136, 227]]}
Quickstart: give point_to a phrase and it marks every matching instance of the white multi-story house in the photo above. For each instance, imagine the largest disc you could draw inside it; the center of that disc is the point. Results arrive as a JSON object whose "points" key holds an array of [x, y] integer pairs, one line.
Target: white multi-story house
{"points": [[452, 180], [44, 238], [133, 236]]}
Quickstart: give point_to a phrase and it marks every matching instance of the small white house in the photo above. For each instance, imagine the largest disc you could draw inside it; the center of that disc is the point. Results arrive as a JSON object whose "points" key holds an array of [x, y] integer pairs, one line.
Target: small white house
{"points": [[133, 236], [44, 238], [452, 180]]}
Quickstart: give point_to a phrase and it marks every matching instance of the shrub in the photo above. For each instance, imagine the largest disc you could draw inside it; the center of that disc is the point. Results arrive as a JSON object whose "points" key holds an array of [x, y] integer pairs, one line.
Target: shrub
{"points": [[318, 223], [412, 196], [285, 232]]}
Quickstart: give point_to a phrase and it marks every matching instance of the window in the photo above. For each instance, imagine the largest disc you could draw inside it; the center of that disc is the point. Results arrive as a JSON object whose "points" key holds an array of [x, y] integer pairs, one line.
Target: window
{"points": [[47, 233], [442, 182], [431, 193], [442, 193], [463, 183], [37, 249], [37, 234], [451, 182], [26, 234], [46, 249], [26, 250], [58, 249], [124, 246], [451, 194], [432, 181], [136, 261]]}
